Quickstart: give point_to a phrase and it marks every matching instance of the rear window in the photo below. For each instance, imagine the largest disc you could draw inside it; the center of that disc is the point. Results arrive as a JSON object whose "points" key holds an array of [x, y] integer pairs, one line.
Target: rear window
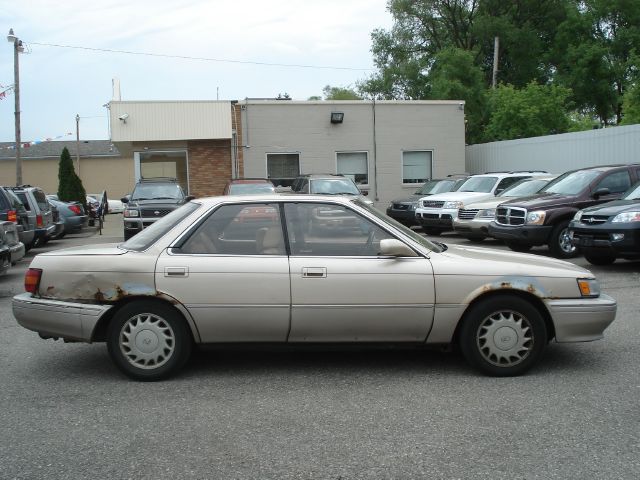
{"points": [[41, 200], [152, 234]]}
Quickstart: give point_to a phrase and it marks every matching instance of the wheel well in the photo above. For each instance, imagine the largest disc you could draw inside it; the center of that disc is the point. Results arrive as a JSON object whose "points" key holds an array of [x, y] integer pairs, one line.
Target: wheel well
{"points": [[100, 331], [535, 301]]}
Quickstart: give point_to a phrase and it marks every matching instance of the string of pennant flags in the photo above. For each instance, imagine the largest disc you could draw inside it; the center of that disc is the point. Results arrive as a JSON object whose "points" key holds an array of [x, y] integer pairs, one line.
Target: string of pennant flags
{"points": [[36, 142], [4, 90]]}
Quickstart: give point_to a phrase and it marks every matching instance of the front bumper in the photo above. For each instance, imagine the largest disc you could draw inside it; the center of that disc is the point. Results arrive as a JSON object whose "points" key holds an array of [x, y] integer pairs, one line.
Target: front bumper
{"points": [[582, 320], [55, 318], [476, 226], [600, 238], [524, 234], [440, 218], [405, 216]]}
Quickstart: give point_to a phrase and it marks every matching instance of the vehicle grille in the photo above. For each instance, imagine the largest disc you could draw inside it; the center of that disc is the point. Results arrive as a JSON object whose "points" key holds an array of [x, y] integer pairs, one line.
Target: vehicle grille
{"points": [[401, 206], [151, 212], [593, 219], [432, 204], [467, 214], [510, 216], [604, 236]]}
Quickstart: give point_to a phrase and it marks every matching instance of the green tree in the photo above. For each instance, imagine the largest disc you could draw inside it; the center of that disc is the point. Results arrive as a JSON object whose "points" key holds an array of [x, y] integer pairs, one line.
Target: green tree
{"points": [[340, 93], [528, 112], [631, 105], [69, 184]]}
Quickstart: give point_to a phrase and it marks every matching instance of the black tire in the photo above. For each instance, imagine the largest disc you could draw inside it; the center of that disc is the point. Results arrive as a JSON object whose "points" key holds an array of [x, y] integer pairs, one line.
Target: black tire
{"points": [[560, 244], [434, 232], [518, 247], [152, 324], [599, 258], [503, 336], [476, 239]]}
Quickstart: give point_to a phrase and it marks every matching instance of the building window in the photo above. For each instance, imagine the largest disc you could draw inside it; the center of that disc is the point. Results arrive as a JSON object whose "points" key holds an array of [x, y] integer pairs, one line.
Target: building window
{"points": [[353, 165], [416, 166], [283, 168]]}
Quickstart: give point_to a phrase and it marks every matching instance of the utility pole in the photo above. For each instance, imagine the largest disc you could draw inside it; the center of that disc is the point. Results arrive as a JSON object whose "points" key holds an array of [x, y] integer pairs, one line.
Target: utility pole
{"points": [[17, 48], [496, 48], [78, 143]]}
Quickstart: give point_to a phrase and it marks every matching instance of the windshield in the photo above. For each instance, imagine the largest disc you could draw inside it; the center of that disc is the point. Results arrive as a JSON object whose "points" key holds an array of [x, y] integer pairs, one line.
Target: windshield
{"points": [[436, 186], [406, 230], [151, 234], [337, 186], [633, 193], [149, 191], [479, 184], [571, 183], [523, 188], [249, 188]]}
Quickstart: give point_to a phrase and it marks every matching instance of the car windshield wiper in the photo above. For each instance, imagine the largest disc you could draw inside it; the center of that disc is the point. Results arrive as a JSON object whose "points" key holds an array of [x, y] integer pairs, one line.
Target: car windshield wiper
{"points": [[162, 198]]}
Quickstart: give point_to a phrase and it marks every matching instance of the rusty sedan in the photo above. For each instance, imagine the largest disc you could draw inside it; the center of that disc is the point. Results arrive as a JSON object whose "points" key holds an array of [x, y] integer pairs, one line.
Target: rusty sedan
{"points": [[200, 276]]}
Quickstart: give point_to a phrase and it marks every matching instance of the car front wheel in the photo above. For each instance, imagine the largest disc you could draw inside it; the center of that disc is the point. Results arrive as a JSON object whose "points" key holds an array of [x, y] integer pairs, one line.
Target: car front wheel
{"points": [[560, 244], [503, 336], [148, 341]]}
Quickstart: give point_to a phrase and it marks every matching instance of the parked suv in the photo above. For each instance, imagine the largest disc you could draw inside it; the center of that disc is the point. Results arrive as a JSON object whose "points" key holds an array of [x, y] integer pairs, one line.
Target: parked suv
{"points": [[544, 219], [328, 184], [151, 199], [13, 210], [404, 209], [248, 186], [609, 231], [35, 201], [436, 213]]}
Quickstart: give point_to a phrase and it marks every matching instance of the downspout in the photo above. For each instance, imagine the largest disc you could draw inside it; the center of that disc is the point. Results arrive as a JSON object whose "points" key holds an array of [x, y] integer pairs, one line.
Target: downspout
{"points": [[375, 155], [234, 141]]}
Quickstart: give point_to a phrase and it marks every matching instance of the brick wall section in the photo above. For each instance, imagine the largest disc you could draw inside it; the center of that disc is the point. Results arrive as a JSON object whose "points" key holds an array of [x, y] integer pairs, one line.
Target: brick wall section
{"points": [[209, 166]]}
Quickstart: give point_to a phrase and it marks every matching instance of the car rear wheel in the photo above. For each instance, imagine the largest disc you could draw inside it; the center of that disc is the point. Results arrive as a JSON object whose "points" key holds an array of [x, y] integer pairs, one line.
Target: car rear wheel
{"points": [[148, 340], [560, 244], [434, 232], [599, 258], [503, 336]]}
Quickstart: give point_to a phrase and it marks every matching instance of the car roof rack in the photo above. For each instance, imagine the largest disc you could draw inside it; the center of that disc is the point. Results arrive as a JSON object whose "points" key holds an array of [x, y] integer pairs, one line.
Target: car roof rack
{"points": [[158, 179]]}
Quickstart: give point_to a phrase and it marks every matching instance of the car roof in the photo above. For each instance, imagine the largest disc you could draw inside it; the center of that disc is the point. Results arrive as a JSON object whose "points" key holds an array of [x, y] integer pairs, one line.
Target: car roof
{"points": [[274, 197], [248, 180]]}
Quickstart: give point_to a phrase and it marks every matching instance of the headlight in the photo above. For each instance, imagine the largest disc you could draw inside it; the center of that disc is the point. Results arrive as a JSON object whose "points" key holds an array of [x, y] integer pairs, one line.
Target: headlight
{"points": [[626, 217], [488, 213], [589, 287], [131, 213], [413, 206], [536, 218], [578, 216], [455, 205]]}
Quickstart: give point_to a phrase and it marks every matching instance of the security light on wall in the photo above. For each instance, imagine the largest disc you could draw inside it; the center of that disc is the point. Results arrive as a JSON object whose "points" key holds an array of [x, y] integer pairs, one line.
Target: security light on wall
{"points": [[337, 117]]}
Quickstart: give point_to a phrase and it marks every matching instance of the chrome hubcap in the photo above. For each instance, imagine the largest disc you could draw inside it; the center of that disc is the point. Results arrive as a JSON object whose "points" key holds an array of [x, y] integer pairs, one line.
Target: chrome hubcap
{"points": [[147, 341], [505, 338], [565, 241]]}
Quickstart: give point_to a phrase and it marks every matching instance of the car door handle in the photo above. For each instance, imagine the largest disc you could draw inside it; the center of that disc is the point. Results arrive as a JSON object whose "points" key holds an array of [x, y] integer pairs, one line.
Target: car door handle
{"points": [[314, 272], [176, 271]]}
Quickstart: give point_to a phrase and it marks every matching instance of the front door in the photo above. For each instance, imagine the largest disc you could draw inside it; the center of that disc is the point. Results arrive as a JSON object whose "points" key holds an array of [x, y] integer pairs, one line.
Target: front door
{"points": [[342, 290]]}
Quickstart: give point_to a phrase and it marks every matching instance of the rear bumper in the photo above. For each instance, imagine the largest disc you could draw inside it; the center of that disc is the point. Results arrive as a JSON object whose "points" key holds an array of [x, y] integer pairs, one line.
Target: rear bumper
{"points": [[55, 318], [17, 252], [582, 320], [45, 232]]}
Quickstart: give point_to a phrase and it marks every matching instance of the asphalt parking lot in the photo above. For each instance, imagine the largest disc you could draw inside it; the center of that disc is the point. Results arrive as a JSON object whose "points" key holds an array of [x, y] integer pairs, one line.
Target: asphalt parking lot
{"points": [[66, 412]]}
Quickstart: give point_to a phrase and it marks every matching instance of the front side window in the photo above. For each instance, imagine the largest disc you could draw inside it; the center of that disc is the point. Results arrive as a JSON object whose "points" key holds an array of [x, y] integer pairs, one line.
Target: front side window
{"points": [[416, 166], [353, 165], [238, 229], [321, 229], [617, 182], [571, 183], [283, 168]]}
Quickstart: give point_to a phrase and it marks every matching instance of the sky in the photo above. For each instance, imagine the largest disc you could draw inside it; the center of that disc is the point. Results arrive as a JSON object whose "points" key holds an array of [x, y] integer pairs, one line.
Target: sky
{"points": [[58, 83]]}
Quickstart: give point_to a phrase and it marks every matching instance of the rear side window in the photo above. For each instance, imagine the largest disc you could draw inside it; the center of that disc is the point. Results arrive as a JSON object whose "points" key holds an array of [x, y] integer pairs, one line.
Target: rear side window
{"points": [[4, 204], [41, 200], [23, 198]]}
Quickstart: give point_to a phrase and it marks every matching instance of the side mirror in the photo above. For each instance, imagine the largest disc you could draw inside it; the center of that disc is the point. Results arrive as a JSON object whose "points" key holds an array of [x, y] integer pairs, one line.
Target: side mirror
{"points": [[125, 199], [364, 192], [390, 247], [188, 198], [600, 192]]}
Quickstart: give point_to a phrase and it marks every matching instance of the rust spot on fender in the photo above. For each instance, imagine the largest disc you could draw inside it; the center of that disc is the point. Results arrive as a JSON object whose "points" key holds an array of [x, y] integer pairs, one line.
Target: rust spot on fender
{"points": [[505, 285], [99, 296]]}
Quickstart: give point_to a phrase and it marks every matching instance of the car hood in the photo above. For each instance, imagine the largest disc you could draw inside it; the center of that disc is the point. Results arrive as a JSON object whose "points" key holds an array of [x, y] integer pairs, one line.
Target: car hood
{"points": [[466, 197], [155, 202], [470, 260], [613, 208], [409, 199], [543, 200], [493, 202]]}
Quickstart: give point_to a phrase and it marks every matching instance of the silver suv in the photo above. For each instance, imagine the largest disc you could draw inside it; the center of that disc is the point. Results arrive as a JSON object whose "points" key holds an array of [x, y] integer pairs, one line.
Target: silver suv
{"points": [[35, 201], [436, 213]]}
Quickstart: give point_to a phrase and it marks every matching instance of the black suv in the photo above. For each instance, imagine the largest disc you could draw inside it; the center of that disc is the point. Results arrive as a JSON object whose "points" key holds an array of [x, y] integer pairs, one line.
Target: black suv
{"points": [[544, 218], [151, 199]]}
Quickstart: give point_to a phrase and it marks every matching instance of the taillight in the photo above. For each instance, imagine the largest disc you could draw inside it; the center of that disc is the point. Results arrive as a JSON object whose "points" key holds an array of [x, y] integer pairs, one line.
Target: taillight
{"points": [[75, 209], [32, 280], [12, 216], [39, 221]]}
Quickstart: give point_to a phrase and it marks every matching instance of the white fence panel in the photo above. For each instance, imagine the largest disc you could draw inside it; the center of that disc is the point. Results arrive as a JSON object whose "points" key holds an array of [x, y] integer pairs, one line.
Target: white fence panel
{"points": [[557, 153]]}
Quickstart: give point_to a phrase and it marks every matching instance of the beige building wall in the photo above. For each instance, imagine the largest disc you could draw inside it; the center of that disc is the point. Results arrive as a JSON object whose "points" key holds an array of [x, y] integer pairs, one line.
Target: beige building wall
{"points": [[382, 129]]}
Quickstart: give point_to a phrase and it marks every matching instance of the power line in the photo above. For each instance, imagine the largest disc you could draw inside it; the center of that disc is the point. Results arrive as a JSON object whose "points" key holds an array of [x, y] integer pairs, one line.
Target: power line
{"points": [[204, 59]]}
